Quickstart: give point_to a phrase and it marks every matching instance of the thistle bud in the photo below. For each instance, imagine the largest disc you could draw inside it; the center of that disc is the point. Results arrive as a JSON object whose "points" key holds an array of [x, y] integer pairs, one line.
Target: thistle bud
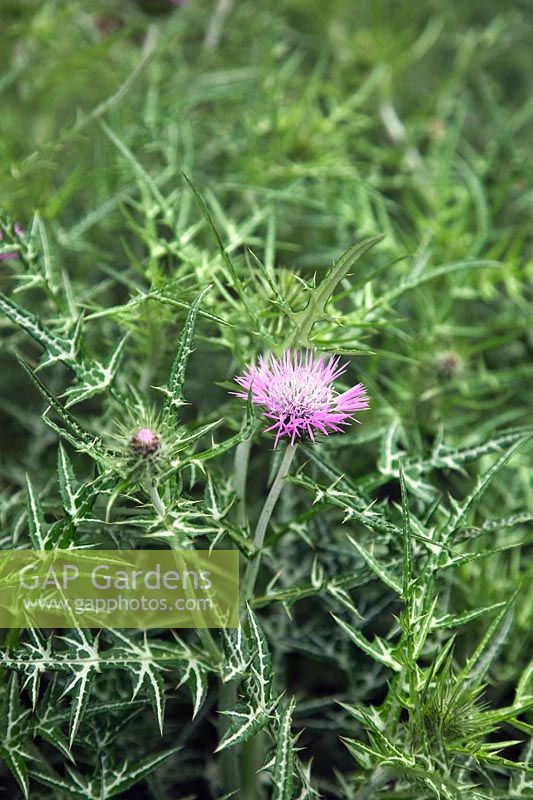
{"points": [[145, 443], [449, 364]]}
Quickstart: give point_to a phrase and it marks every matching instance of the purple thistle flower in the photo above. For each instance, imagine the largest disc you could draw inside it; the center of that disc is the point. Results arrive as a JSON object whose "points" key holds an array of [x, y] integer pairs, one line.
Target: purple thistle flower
{"points": [[297, 394]]}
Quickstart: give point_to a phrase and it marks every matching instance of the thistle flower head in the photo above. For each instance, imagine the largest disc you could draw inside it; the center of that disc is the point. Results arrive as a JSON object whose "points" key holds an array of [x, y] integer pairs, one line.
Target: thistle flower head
{"points": [[145, 442], [296, 392]]}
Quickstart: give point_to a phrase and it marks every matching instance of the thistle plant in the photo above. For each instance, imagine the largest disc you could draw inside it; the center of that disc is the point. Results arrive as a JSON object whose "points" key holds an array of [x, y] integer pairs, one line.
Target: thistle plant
{"points": [[256, 227]]}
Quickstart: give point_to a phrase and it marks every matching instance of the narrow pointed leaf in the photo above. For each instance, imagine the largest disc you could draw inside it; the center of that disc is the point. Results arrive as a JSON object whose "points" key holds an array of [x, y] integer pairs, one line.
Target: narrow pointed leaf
{"points": [[283, 777], [174, 391], [376, 650]]}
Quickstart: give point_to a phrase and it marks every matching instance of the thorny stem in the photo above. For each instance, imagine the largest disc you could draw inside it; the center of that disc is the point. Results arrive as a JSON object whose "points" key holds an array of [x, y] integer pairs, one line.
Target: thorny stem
{"points": [[227, 692], [203, 633], [252, 570], [250, 755], [251, 751]]}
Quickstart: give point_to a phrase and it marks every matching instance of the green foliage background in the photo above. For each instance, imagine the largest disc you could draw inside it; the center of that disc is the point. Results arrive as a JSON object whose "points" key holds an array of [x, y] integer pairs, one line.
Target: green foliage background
{"points": [[186, 178]]}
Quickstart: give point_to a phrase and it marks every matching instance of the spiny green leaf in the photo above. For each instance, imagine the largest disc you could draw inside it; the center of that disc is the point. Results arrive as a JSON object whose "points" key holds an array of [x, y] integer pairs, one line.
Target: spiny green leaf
{"points": [[195, 677], [283, 777], [174, 390], [61, 786], [338, 497], [38, 230], [72, 431], [315, 309], [81, 682], [16, 763], [57, 348], [139, 170], [378, 569], [406, 537], [37, 527], [130, 774], [67, 482], [331, 471], [444, 457], [261, 664], [422, 625], [246, 432], [456, 620], [481, 660], [245, 722], [12, 751], [95, 378], [237, 654], [377, 650], [470, 502], [222, 250]]}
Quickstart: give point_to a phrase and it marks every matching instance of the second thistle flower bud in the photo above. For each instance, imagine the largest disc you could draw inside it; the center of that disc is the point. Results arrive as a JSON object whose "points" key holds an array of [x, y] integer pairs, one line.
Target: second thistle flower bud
{"points": [[145, 443], [449, 364]]}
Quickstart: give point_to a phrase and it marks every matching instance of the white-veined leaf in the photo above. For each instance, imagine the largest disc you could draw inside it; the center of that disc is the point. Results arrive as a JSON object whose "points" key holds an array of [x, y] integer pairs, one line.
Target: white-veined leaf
{"points": [[378, 569], [260, 679], [377, 650], [174, 398], [283, 777], [67, 482], [37, 527], [244, 722], [12, 752]]}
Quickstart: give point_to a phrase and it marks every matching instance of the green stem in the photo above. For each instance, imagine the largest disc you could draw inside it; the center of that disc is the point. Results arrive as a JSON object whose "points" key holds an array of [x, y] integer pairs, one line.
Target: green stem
{"points": [[157, 503], [242, 457], [252, 570], [379, 777], [204, 633], [227, 692], [252, 761], [253, 750]]}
